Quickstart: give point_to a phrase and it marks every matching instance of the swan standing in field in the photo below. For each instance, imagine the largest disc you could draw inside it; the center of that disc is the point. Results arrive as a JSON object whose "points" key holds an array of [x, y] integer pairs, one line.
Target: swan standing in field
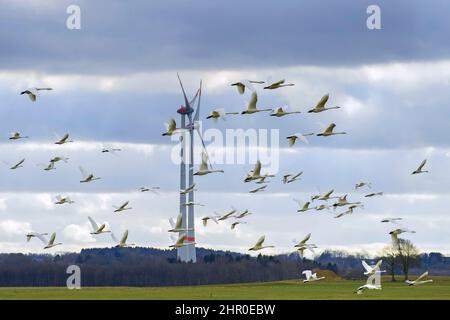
{"points": [[181, 242], [259, 244], [96, 229], [241, 85], [392, 220], [234, 224], [33, 93], [373, 194], [302, 136], [418, 280], [188, 189], [280, 112], [310, 277], [17, 136], [367, 286], [363, 184], [260, 189], [320, 106], [63, 200], [329, 131], [420, 168], [123, 242], [123, 207], [219, 114], [204, 169], [48, 244], [251, 106], [278, 84], [205, 220], [370, 270], [31, 235], [87, 177], [178, 225], [18, 165], [64, 140]]}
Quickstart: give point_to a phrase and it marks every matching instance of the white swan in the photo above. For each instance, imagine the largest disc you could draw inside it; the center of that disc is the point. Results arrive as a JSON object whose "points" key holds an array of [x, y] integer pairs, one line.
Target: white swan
{"points": [[259, 244], [251, 106], [33, 93], [320, 106], [278, 84], [122, 207], [370, 270], [87, 177], [420, 168], [17, 136], [63, 200], [310, 277], [64, 140], [97, 229], [329, 131], [204, 169], [418, 280], [280, 112], [123, 241]]}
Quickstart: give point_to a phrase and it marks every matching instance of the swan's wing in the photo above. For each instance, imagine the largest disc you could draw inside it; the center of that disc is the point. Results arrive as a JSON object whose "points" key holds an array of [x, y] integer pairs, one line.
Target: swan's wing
{"points": [[260, 241], [306, 238], [40, 237], [257, 171], [378, 265], [52, 238], [124, 237], [253, 101], [330, 128], [179, 221], [113, 236], [172, 223], [204, 164], [93, 223], [423, 275], [307, 274], [422, 165], [322, 102], [83, 172], [366, 266]]}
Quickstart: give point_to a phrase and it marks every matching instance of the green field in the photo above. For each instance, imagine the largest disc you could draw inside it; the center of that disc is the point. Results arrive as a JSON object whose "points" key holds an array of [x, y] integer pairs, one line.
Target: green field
{"points": [[341, 289]]}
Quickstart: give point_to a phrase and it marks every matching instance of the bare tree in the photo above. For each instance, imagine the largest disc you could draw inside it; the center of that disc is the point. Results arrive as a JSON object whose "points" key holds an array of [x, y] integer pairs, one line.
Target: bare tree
{"points": [[408, 254], [389, 254]]}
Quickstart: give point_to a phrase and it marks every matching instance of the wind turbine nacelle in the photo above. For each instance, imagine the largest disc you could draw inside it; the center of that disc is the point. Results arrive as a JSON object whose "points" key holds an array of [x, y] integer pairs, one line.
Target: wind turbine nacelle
{"points": [[185, 110]]}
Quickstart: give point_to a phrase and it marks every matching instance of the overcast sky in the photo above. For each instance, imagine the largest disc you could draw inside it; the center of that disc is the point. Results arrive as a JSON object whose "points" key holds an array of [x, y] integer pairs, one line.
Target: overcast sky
{"points": [[115, 84]]}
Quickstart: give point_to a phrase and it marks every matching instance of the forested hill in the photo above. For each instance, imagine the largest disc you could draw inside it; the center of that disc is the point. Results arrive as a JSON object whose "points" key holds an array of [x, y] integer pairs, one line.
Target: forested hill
{"points": [[155, 267]]}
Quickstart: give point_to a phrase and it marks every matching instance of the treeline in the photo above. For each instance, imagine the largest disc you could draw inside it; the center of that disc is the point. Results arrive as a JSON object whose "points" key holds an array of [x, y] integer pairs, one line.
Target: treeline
{"points": [[154, 267], [147, 267]]}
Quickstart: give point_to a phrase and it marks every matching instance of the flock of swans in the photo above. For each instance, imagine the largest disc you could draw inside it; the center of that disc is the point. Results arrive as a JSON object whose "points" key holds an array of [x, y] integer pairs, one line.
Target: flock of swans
{"points": [[255, 176]]}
